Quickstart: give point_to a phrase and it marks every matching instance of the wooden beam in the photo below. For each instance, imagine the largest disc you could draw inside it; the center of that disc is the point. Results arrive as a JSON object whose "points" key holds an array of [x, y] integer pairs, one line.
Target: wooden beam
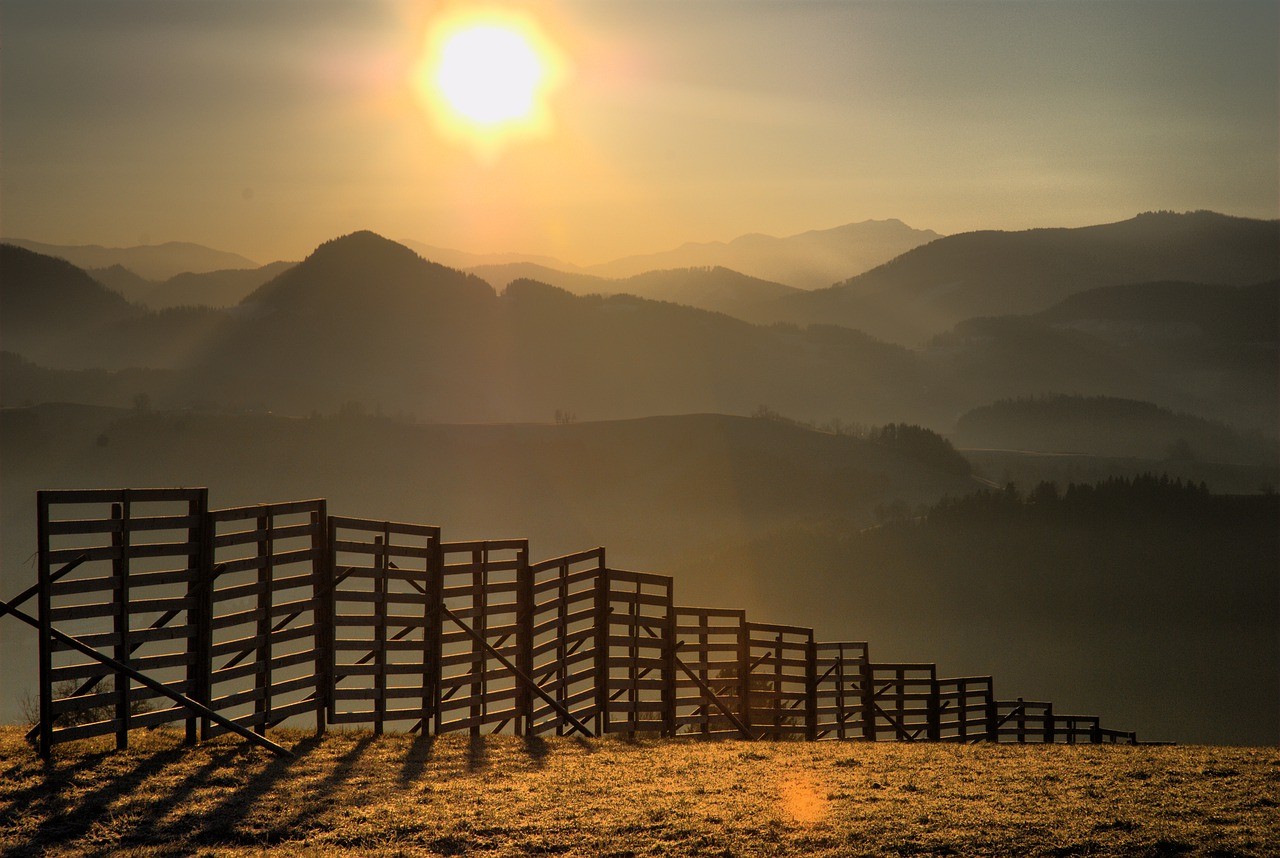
{"points": [[519, 674], [143, 679]]}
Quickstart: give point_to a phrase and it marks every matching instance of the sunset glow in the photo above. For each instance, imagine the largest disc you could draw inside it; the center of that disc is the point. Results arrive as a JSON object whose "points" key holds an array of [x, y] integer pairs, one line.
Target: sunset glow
{"points": [[486, 77]]}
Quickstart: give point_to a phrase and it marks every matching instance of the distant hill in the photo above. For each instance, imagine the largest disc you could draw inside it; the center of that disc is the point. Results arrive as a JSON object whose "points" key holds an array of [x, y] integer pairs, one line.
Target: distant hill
{"points": [[1106, 426], [929, 289], [117, 278], [366, 319], [499, 275], [1203, 349], [46, 304], [149, 261], [809, 260], [206, 289], [716, 289], [1174, 310], [461, 259]]}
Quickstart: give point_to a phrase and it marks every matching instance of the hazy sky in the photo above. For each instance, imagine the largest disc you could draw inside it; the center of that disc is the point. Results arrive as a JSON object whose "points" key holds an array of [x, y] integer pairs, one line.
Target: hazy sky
{"points": [[267, 126]]}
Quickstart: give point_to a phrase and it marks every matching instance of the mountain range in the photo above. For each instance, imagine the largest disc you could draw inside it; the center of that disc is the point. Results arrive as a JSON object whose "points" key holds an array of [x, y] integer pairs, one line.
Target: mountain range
{"points": [[809, 260], [364, 319], [931, 288], [150, 261], [221, 288]]}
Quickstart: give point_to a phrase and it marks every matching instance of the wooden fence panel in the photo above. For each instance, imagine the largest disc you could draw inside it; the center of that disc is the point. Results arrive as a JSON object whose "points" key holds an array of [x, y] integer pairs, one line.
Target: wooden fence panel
{"points": [[778, 663], [635, 656], [840, 695], [480, 585], [903, 701], [963, 709], [266, 639], [709, 642], [562, 639], [122, 570], [383, 598]]}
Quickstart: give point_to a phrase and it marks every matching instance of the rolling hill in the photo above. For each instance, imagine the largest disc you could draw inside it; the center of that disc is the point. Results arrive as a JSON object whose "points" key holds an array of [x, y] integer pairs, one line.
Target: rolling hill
{"points": [[367, 320], [224, 288], [1106, 426], [809, 260], [931, 288], [149, 261], [716, 289], [48, 305]]}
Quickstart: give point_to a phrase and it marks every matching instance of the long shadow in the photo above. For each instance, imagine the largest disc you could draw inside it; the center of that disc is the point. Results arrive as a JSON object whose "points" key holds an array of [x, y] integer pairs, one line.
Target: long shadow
{"points": [[64, 822], [477, 753], [416, 758], [218, 827], [537, 749], [151, 832], [54, 779]]}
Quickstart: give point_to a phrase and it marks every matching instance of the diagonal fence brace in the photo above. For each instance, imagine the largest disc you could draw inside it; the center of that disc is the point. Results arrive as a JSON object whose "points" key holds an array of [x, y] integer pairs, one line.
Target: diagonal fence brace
{"points": [[143, 679], [519, 674]]}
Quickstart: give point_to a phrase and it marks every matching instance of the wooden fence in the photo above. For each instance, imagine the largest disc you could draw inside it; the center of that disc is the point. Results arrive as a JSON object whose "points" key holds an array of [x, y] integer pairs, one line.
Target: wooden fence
{"points": [[241, 619]]}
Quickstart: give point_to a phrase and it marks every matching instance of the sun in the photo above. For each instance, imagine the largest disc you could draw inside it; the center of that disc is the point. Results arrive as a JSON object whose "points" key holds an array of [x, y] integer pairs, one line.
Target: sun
{"points": [[487, 76]]}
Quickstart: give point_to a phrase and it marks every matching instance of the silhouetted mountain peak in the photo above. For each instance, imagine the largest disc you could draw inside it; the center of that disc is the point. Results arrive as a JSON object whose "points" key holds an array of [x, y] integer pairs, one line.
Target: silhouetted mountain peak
{"points": [[365, 269]]}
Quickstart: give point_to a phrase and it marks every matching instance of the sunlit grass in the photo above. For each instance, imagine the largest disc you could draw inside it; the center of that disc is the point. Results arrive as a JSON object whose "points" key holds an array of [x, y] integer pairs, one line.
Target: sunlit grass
{"points": [[400, 795]]}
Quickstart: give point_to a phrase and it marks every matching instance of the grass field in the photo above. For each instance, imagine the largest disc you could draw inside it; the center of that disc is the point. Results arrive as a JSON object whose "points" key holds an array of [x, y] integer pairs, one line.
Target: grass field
{"points": [[500, 795]]}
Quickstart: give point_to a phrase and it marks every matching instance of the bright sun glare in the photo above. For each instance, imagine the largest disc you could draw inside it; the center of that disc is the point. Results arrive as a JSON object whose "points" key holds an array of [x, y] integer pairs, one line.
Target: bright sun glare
{"points": [[487, 76]]}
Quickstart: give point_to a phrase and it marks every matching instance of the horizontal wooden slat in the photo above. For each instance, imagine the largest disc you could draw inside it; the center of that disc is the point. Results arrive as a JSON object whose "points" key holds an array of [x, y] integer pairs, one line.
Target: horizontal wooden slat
{"points": [[370, 525]]}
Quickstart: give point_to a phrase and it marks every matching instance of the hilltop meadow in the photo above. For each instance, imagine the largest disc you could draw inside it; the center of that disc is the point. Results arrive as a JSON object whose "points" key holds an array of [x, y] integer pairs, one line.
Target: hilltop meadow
{"points": [[399, 795]]}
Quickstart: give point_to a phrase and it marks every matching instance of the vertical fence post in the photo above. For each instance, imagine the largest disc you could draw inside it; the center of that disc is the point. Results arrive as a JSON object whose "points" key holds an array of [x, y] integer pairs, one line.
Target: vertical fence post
{"points": [[330, 630], [44, 597], [435, 629], [1049, 725], [479, 622], [811, 691], [933, 718], [321, 616], [840, 711], [524, 642], [868, 697], [602, 649], [262, 675], [198, 615], [380, 564], [428, 654], [669, 664], [744, 670], [992, 720], [120, 572]]}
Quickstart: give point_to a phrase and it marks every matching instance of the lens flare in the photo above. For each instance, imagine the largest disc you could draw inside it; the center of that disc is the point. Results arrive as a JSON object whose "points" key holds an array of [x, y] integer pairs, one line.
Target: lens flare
{"points": [[486, 76]]}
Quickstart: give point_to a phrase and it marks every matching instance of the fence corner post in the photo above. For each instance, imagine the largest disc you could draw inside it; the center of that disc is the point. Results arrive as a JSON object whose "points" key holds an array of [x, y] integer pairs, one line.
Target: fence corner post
{"points": [[868, 697], [602, 648], [669, 664], [524, 641], [200, 614], [46, 637], [992, 722], [322, 610], [933, 728], [811, 690]]}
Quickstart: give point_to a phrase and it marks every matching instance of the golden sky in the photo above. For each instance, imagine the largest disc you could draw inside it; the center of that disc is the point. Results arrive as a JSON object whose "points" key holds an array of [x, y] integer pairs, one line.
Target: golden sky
{"points": [[267, 127]]}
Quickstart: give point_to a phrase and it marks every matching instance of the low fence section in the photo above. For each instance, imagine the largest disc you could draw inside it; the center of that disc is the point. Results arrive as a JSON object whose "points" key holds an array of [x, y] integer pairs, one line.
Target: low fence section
{"points": [[250, 617]]}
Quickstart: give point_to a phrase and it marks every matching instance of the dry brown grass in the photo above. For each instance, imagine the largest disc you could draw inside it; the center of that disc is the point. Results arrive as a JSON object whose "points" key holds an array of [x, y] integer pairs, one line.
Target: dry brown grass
{"points": [[401, 795]]}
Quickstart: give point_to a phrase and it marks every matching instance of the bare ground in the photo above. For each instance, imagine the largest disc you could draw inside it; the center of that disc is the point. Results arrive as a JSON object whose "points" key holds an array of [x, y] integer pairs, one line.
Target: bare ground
{"points": [[500, 795]]}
